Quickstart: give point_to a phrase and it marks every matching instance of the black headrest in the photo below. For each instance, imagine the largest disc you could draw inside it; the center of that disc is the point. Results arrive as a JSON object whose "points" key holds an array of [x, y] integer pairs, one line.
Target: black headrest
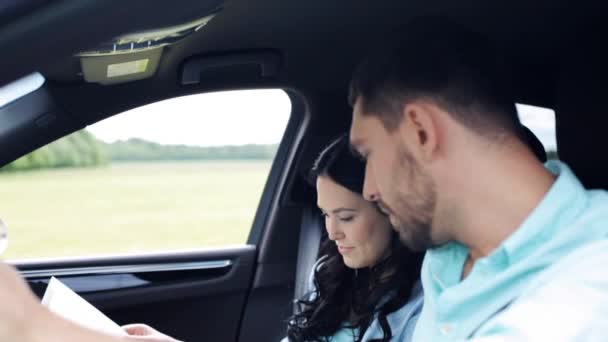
{"points": [[535, 144], [581, 109]]}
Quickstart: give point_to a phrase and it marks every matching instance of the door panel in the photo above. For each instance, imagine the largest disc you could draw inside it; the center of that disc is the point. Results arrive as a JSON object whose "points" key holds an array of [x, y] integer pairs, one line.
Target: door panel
{"points": [[192, 296]]}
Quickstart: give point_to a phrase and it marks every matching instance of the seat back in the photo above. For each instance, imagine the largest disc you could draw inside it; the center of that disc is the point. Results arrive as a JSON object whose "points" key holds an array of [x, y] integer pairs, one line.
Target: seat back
{"points": [[581, 113]]}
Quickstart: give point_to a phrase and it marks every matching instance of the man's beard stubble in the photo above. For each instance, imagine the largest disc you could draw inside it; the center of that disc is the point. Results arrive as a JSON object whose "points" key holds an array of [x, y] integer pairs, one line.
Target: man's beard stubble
{"points": [[414, 209]]}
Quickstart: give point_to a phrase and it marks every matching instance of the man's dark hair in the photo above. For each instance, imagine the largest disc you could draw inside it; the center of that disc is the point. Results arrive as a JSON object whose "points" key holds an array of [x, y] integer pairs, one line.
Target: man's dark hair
{"points": [[435, 59]]}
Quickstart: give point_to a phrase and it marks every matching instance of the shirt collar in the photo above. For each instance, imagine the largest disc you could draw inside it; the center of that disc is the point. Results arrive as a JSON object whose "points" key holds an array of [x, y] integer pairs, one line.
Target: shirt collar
{"points": [[445, 264]]}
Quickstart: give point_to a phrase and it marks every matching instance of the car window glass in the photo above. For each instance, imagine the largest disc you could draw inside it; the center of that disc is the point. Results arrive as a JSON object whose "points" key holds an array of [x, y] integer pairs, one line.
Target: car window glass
{"points": [[541, 121], [185, 173]]}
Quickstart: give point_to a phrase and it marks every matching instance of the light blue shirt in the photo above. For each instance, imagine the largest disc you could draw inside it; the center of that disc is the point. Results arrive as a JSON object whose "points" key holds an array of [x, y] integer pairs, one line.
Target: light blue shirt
{"points": [[533, 285], [401, 321]]}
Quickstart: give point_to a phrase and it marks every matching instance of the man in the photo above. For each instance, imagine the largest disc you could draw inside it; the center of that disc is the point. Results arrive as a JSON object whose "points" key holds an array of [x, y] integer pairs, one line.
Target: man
{"points": [[515, 249]]}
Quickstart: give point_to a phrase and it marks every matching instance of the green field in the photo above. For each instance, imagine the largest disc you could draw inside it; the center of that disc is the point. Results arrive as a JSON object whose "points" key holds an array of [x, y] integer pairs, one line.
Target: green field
{"points": [[130, 207]]}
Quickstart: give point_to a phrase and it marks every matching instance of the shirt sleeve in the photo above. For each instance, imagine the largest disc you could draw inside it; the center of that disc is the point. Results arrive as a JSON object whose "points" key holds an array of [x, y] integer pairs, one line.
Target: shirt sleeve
{"points": [[568, 302]]}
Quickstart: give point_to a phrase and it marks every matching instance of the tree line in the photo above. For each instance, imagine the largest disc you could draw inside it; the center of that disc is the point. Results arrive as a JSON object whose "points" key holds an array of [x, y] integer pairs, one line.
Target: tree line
{"points": [[141, 150], [79, 149], [82, 149]]}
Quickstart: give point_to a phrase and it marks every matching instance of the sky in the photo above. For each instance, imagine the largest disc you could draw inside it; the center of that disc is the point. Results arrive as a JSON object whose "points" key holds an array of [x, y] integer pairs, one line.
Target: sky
{"points": [[211, 119], [241, 117]]}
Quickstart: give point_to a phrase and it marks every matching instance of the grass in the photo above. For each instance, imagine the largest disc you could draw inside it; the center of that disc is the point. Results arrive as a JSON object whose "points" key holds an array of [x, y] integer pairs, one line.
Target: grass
{"points": [[130, 207]]}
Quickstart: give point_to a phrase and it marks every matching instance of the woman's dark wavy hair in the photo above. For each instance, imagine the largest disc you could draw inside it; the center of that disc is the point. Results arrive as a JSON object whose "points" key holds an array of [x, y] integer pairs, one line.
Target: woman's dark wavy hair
{"points": [[343, 295]]}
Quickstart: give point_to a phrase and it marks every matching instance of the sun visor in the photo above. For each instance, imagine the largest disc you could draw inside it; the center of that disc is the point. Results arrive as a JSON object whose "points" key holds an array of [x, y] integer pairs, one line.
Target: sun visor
{"points": [[119, 68], [133, 56]]}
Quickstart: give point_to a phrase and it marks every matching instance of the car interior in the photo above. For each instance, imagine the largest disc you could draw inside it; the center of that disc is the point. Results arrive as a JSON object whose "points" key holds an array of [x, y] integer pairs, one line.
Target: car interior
{"points": [[307, 48]]}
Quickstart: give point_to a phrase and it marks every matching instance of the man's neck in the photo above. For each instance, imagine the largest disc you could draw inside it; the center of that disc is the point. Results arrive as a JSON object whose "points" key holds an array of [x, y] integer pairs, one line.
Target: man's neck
{"points": [[499, 198]]}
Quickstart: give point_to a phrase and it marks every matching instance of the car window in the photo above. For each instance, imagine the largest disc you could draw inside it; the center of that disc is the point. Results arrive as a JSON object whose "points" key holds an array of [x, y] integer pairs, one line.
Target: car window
{"points": [[541, 121], [185, 173]]}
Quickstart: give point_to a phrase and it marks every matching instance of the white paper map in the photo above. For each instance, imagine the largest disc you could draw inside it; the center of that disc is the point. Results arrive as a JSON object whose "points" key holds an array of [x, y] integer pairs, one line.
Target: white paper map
{"points": [[64, 302]]}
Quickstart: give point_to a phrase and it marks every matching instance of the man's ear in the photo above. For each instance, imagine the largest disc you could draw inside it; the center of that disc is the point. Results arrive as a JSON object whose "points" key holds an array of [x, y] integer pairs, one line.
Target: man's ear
{"points": [[420, 129]]}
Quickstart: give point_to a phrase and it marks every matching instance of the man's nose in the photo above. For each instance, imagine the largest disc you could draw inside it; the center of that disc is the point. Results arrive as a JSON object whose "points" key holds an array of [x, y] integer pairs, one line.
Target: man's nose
{"points": [[370, 190]]}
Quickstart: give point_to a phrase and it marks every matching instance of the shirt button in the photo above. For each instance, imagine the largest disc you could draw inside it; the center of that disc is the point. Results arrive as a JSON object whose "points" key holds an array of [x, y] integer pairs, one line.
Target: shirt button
{"points": [[446, 329]]}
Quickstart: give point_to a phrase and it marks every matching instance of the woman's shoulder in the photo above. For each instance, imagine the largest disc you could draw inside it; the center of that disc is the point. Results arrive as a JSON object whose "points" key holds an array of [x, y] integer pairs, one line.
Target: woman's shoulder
{"points": [[403, 320], [412, 306]]}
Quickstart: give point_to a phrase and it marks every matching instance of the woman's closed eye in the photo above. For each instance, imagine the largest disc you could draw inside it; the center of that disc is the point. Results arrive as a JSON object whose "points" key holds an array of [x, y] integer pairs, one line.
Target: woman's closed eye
{"points": [[342, 215], [346, 218]]}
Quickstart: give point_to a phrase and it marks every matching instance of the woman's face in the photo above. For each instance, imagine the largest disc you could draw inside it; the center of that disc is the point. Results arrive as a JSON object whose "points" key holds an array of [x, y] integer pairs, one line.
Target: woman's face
{"points": [[361, 232]]}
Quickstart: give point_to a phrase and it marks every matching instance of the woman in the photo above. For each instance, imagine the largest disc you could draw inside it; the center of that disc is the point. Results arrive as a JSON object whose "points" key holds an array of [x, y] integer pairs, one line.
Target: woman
{"points": [[364, 287]]}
